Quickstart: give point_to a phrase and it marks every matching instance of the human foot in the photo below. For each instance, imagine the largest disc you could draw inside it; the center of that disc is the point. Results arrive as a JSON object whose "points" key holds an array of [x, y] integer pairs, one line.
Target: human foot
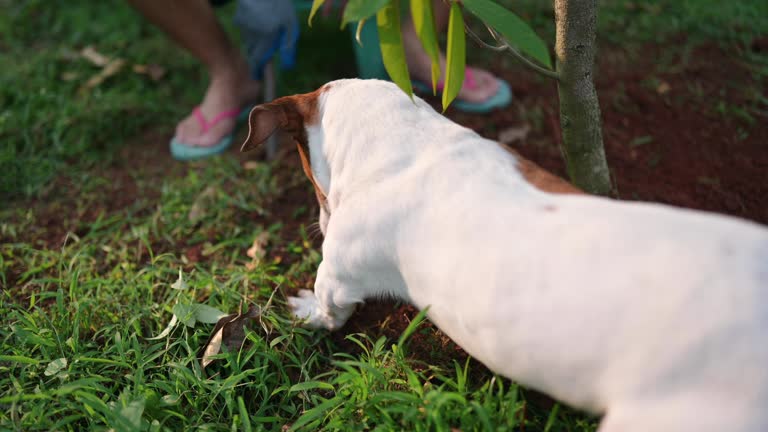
{"points": [[479, 86], [230, 89]]}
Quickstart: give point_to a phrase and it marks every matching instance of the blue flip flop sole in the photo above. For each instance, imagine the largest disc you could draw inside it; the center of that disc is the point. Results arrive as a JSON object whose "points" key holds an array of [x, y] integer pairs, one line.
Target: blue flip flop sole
{"points": [[185, 152]]}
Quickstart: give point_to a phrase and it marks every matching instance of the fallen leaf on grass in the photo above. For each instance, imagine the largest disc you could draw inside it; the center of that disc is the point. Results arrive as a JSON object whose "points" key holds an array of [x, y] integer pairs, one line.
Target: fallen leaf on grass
{"points": [[663, 88], [112, 68], [180, 284], [155, 72], [98, 59], [55, 366], [512, 134], [257, 251], [228, 333], [250, 165], [69, 76], [192, 313]]}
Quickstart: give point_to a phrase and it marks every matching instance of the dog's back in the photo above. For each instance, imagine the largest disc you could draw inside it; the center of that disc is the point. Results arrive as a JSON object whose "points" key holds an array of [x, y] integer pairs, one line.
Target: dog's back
{"points": [[656, 315]]}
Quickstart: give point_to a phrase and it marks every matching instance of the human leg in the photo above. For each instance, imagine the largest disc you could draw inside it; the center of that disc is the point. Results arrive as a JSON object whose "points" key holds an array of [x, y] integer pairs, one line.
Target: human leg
{"points": [[193, 25]]}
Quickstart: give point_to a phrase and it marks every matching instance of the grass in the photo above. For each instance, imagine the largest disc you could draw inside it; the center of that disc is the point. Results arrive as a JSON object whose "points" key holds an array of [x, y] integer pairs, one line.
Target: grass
{"points": [[95, 229]]}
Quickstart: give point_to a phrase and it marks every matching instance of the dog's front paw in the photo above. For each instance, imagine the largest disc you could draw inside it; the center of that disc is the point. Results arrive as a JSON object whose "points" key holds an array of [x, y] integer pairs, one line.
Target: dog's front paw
{"points": [[307, 308]]}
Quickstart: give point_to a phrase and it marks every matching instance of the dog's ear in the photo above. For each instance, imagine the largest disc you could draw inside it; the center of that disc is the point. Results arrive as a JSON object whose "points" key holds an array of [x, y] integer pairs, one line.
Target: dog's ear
{"points": [[263, 121]]}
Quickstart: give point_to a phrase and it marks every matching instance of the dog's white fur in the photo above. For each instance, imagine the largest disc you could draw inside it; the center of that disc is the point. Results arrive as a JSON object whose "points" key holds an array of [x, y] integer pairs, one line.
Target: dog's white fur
{"points": [[656, 317]]}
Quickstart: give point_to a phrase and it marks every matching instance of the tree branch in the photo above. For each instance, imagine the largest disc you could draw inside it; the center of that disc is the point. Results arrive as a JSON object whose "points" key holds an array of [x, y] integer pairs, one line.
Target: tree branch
{"points": [[505, 46]]}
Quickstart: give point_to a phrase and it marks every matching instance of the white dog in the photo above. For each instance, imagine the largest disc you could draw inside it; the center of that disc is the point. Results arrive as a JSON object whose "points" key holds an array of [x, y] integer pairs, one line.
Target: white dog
{"points": [[654, 316]]}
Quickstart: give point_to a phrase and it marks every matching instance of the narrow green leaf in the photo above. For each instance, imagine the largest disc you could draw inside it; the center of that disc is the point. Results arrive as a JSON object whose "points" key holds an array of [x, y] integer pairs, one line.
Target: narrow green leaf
{"points": [[245, 418], [316, 412], [310, 385], [391, 43], [514, 29], [455, 57], [482, 414], [315, 6], [357, 10], [421, 316], [552, 417], [18, 359], [424, 23]]}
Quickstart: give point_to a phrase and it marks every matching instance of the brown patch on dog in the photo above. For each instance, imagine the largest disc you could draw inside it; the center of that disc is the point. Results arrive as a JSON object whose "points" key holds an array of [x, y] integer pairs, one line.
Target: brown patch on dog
{"points": [[305, 165], [290, 114], [541, 179]]}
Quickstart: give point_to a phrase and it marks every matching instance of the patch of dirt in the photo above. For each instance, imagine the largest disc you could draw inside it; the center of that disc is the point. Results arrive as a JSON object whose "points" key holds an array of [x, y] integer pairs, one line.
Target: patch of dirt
{"points": [[687, 134]]}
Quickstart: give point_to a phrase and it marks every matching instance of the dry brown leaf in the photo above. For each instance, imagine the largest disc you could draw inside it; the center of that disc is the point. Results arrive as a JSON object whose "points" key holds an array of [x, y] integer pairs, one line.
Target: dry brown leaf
{"points": [[89, 53], [69, 76], [257, 250], [250, 165], [229, 333], [512, 134], [155, 72], [109, 70], [663, 88]]}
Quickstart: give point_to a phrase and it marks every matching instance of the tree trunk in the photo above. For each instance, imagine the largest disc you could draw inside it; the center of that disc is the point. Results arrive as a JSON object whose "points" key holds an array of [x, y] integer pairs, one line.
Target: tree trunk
{"points": [[576, 22]]}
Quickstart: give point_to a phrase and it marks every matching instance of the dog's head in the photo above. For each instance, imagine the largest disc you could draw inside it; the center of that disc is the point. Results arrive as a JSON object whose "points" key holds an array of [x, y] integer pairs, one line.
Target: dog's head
{"points": [[294, 115]]}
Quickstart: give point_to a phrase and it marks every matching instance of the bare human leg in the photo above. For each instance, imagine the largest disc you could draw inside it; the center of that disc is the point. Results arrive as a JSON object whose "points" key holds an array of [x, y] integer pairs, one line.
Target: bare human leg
{"points": [[193, 25]]}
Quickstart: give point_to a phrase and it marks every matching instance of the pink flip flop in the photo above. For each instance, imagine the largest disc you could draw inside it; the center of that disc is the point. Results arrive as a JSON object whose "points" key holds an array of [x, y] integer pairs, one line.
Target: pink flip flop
{"points": [[184, 152]]}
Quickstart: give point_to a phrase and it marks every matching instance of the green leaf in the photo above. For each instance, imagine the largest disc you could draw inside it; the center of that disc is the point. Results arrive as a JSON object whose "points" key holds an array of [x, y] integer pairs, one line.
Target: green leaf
{"points": [[185, 313], [18, 359], [424, 23], [391, 43], [55, 366], [315, 6], [552, 417], [317, 412], [455, 57], [310, 385], [357, 10], [130, 414], [514, 29], [207, 314], [420, 317]]}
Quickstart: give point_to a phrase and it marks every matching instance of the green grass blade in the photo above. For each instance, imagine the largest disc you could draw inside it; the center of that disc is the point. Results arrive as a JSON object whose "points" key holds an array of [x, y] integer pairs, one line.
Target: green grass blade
{"points": [[424, 23], [316, 412], [514, 29], [418, 319], [455, 56], [391, 43]]}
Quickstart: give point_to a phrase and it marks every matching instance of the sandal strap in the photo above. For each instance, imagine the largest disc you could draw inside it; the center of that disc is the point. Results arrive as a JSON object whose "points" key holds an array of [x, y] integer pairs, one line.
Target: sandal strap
{"points": [[206, 125], [469, 80]]}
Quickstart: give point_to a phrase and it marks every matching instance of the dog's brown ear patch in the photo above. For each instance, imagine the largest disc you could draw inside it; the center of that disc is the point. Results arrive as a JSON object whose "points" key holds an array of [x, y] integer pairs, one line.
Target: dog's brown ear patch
{"points": [[263, 121], [290, 114]]}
